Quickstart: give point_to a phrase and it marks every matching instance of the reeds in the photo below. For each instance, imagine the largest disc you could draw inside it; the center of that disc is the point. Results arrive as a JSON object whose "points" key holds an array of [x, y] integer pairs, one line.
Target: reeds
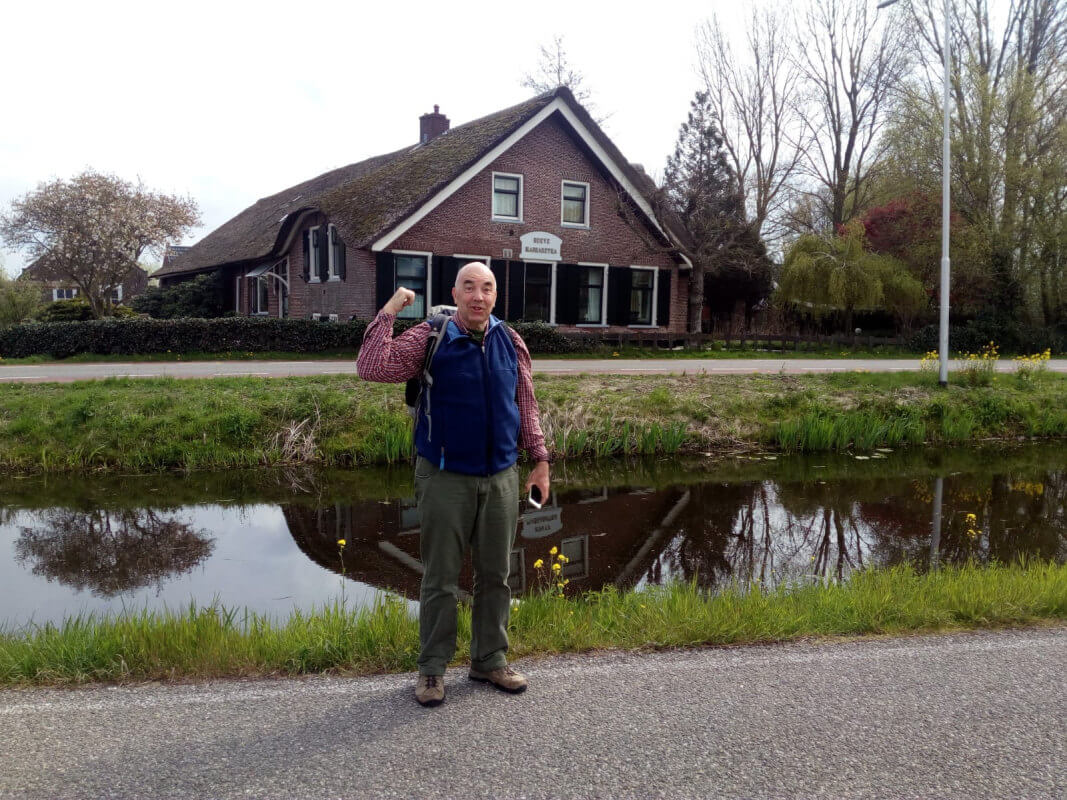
{"points": [[213, 641]]}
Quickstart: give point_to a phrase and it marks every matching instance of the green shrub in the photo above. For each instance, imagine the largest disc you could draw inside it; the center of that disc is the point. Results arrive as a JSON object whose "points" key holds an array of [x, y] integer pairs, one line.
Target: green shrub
{"points": [[199, 298], [74, 310], [540, 337], [145, 335]]}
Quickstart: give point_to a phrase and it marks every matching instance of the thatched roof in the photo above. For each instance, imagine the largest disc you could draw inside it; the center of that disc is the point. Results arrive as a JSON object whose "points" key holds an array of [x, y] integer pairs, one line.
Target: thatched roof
{"points": [[367, 199]]}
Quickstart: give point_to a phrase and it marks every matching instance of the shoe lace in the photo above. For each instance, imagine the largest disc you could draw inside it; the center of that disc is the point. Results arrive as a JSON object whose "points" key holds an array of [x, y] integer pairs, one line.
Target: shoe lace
{"points": [[431, 681]]}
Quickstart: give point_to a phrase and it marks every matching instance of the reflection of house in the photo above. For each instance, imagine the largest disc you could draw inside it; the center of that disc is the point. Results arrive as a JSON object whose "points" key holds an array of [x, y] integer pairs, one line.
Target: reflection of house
{"points": [[607, 535], [57, 287], [537, 191]]}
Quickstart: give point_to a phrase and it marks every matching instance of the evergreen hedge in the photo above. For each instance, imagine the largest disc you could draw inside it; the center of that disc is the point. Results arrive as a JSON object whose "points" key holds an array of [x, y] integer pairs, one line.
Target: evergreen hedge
{"points": [[227, 334]]}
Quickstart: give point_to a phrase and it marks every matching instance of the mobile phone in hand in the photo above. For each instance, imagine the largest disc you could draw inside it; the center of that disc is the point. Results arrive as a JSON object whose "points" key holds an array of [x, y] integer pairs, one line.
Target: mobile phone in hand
{"points": [[535, 499]]}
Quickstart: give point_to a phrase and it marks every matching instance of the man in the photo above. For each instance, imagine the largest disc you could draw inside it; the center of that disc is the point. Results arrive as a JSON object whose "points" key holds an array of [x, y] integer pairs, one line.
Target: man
{"points": [[470, 425]]}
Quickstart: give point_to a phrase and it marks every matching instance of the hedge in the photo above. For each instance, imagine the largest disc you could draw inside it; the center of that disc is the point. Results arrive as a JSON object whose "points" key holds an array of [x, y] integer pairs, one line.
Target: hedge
{"points": [[1010, 337], [228, 334]]}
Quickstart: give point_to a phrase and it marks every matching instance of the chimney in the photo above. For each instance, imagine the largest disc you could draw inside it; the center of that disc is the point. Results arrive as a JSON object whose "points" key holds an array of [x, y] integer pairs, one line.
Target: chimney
{"points": [[432, 125]]}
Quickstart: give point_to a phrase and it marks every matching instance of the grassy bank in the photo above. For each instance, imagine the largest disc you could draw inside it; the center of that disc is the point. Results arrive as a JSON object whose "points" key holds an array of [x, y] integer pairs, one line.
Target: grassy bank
{"points": [[212, 642], [144, 425]]}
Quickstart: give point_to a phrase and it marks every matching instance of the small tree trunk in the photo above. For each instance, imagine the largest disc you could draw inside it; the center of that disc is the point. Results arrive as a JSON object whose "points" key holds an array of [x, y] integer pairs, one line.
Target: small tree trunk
{"points": [[696, 297]]}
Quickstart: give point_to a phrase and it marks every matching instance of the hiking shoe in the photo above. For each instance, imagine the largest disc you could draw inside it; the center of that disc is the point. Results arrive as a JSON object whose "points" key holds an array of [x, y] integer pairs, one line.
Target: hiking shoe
{"points": [[502, 678], [430, 690]]}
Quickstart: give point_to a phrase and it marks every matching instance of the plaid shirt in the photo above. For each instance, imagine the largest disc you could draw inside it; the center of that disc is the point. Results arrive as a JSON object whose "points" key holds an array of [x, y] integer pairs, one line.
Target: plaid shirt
{"points": [[387, 360]]}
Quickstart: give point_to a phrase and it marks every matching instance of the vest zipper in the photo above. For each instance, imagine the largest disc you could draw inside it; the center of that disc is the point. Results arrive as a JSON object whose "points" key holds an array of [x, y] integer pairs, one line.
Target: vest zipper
{"points": [[488, 404]]}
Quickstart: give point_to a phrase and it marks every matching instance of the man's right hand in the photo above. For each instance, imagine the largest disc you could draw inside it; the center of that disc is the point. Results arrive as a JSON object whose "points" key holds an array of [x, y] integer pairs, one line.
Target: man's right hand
{"points": [[399, 301]]}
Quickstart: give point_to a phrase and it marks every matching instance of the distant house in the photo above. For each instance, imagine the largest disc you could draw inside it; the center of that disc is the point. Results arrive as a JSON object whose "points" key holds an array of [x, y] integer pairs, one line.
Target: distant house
{"points": [[57, 287], [534, 191]]}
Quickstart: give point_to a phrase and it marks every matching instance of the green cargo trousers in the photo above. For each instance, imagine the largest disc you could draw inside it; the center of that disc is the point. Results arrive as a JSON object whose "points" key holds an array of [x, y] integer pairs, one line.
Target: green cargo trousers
{"points": [[457, 512]]}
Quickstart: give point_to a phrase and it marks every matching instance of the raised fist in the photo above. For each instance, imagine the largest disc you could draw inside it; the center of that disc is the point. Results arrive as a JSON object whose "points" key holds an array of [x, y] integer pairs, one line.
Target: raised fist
{"points": [[399, 301]]}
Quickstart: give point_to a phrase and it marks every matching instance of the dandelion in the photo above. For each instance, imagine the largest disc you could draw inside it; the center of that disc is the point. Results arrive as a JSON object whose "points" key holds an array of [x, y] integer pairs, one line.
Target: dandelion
{"points": [[556, 567], [553, 551], [341, 542], [539, 563]]}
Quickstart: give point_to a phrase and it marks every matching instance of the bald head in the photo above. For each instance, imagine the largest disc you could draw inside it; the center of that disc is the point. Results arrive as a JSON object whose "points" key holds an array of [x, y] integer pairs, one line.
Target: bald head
{"points": [[474, 270], [474, 295]]}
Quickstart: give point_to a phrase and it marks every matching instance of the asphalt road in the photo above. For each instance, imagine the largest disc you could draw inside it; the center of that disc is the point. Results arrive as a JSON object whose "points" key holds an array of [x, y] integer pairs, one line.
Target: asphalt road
{"points": [[275, 369], [973, 715]]}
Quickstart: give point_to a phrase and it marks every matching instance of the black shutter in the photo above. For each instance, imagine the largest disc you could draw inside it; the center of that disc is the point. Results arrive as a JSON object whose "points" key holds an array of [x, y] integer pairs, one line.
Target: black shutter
{"points": [[307, 256], [323, 236], [663, 300], [500, 270], [619, 287], [449, 271], [516, 290], [437, 268], [567, 293], [385, 280], [342, 268]]}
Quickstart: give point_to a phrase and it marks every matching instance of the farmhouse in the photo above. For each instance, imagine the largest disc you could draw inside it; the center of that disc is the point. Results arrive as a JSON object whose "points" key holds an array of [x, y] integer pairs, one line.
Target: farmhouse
{"points": [[536, 191]]}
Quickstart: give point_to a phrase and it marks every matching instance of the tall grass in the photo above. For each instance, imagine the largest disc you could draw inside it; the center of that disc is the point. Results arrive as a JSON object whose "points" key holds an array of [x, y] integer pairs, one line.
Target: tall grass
{"points": [[212, 641]]}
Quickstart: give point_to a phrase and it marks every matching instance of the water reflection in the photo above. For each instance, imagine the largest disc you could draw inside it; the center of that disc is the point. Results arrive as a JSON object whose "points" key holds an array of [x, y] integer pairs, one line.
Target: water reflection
{"points": [[110, 552], [794, 520]]}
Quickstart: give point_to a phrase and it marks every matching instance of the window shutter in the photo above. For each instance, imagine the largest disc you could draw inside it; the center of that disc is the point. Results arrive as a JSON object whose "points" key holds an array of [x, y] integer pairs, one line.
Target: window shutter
{"points": [[307, 256], [449, 271], [437, 264], [567, 294], [619, 295], [385, 279], [342, 268], [323, 237], [500, 272], [663, 299], [516, 290]]}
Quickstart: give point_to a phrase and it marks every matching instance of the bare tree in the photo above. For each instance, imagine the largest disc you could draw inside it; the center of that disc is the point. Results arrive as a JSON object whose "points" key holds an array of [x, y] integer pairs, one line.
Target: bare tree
{"points": [[752, 97], [555, 70], [851, 63], [1009, 147], [92, 229]]}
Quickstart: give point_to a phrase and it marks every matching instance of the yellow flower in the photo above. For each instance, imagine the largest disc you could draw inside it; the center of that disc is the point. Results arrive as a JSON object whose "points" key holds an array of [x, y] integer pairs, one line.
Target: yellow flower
{"points": [[538, 564], [972, 518], [556, 567], [341, 542], [553, 551]]}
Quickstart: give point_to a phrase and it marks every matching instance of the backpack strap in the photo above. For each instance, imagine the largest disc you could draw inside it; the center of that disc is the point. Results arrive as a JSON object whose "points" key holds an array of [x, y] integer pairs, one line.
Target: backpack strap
{"points": [[439, 322]]}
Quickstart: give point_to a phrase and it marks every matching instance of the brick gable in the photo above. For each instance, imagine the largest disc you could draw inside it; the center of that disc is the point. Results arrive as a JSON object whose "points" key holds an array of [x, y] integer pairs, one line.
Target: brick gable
{"points": [[545, 157]]}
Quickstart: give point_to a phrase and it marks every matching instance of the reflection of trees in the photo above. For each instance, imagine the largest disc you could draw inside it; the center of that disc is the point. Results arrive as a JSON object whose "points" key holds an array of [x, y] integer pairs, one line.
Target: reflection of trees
{"points": [[110, 552]]}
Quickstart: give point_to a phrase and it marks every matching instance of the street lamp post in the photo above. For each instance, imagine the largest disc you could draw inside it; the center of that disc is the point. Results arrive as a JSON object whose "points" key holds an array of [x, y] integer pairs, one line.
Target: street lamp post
{"points": [[946, 262]]}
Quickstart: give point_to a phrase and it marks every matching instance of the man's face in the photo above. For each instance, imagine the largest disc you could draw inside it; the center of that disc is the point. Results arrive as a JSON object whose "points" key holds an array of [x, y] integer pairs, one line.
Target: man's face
{"points": [[474, 295]]}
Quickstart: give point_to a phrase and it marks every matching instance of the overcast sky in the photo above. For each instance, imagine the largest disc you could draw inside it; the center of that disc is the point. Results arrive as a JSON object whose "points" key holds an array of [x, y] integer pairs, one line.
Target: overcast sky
{"points": [[230, 102]]}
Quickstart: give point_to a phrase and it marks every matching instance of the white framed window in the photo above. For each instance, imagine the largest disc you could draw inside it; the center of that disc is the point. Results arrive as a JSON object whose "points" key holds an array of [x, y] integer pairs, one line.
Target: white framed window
{"points": [[315, 254], [282, 290], [412, 271], [335, 253], [574, 202], [64, 294], [507, 197], [592, 294], [644, 288], [116, 294], [576, 550], [260, 296], [539, 293], [466, 259]]}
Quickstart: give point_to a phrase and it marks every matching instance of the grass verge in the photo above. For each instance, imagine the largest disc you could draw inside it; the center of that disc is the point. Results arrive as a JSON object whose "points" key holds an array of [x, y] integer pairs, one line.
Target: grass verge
{"points": [[145, 425], [215, 642]]}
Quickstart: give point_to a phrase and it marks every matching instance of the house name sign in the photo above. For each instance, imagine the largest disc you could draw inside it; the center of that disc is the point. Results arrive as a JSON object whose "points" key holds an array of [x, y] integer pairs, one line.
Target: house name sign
{"points": [[540, 246]]}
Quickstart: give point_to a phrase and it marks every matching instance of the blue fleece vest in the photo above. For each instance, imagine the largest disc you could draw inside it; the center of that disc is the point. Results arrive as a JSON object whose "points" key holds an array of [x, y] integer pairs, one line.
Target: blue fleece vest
{"points": [[468, 419]]}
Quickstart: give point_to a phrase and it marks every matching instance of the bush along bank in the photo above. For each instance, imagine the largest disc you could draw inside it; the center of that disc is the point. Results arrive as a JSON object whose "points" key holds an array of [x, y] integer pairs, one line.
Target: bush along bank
{"points": [[145, 425], [141, 336], [216, 642]]}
